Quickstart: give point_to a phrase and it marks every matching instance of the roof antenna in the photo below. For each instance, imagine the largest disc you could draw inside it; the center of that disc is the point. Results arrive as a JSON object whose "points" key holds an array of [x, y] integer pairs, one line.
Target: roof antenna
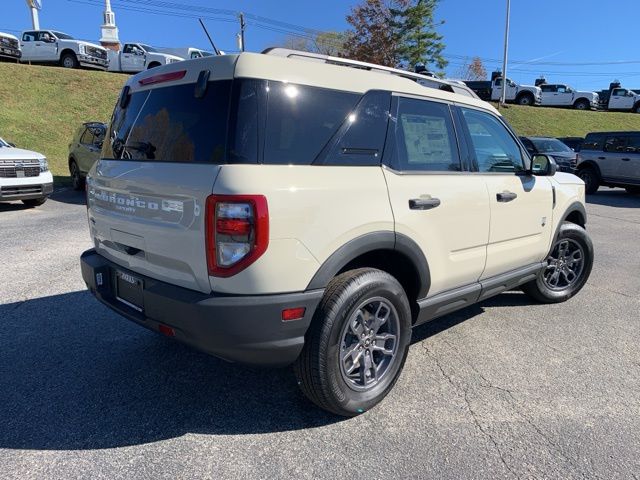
{"points": [[215, 50]]}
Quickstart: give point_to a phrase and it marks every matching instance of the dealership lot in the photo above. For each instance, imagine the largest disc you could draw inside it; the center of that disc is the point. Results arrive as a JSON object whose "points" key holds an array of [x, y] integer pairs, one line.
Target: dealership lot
{"points": [[505, 389]]}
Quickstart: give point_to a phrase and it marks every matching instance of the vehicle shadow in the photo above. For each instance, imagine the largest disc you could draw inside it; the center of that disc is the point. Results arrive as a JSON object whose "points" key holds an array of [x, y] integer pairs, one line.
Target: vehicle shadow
{"points": [[68, 195], [614, 198], [75, 376], [13, 206]]}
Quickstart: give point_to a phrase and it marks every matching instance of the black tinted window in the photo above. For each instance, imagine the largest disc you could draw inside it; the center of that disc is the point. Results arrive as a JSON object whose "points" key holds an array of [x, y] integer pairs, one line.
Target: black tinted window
{"points": [[594, 141], [170, 124], [548, 88], [301, 120], [494, 148], [424, 137], [361, 139], [244, 120], [615, 143]]}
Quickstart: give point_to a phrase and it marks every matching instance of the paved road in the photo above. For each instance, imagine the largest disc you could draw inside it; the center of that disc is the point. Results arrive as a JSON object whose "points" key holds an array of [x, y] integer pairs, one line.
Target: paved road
{"points": [[505, 389]]}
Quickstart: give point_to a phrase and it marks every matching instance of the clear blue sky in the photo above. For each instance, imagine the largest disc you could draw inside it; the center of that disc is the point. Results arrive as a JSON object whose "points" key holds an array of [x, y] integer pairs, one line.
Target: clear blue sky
{"points": [[572, 31]]}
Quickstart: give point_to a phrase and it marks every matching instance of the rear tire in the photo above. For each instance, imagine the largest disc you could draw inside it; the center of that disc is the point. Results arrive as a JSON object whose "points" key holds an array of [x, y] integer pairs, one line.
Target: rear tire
{"points": [[76, 177], [590, 178], [525, 99], [568, 269], [34, 202], [69, 60], [357, 343]]}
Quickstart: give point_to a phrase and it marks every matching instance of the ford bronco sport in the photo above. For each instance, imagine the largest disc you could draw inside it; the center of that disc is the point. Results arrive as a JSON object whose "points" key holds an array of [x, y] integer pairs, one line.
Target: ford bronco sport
{"points": [[286, 208]]}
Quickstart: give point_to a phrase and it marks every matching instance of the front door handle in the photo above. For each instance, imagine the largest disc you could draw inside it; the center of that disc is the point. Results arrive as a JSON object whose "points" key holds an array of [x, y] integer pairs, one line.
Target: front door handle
{"points": [[506, 196], [424, 203], [626, 159], [602, 158]]}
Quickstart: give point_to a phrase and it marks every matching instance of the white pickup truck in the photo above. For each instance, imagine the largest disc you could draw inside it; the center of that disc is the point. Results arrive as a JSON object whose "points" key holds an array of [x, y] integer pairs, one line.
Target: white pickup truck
{"points": [[24, 175], [623, 99], [492, 91], [561, 95], [136, 57], [9, 47], [187, 52], [49, 46]]}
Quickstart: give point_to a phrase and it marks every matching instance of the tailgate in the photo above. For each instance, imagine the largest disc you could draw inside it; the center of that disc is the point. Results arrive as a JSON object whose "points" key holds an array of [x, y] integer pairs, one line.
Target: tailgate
{"points": [[149, 218]]}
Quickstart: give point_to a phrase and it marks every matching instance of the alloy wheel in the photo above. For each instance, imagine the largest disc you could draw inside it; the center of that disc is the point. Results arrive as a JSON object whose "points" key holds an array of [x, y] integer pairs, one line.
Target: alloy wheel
{"points": [[565, 265], [369, 343]]}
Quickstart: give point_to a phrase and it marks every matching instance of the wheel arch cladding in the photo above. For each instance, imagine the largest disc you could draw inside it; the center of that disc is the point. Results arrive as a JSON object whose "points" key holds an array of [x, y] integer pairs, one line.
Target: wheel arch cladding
{"points": [[575, 213], [392, 252]]}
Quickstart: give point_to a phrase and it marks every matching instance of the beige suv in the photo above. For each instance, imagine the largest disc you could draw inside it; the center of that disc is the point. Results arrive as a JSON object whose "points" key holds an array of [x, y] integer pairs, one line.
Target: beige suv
{"points": [[286, 208]]}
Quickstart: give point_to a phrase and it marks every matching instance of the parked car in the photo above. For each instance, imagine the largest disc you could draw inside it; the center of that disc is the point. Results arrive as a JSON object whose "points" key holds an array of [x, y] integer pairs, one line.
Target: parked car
{"points": [[574, 143], [563, 155], [561, 95], [9, 47], [296, 239], [24, 175], [52, 47], [187, 52], [136, 57], [84, 151], [520, 94], [610, 159]]}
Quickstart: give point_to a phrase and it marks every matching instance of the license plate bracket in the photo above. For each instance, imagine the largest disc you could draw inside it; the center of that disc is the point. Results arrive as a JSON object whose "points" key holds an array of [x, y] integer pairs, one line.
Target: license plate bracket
{"points": [[130, 290]]}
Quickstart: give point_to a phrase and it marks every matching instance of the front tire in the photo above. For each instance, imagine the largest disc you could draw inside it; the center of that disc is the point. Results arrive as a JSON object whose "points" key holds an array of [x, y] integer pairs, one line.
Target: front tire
{"points": [[69, 60], [582, 105], [34, 202], [568, 269], [357, 344], [590, 178]]}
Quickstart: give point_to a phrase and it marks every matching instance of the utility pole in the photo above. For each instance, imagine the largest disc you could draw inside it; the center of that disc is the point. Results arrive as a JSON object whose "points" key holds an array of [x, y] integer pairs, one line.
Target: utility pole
{"points": [[242, 25], [34, 6], [503, 97]]}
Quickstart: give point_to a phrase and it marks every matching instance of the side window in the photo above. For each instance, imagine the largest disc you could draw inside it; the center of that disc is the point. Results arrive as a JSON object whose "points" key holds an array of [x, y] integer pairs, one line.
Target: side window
{"points": [[498, 82], [361, 139], [87, 137], [195, 55], [128, 48], [562, 89], [547, 88], [44, 36], [619, 91], [424, 137], [593, 142], [301, 120], [29, 37], [615, 144], [634, 143], [494, 148]]}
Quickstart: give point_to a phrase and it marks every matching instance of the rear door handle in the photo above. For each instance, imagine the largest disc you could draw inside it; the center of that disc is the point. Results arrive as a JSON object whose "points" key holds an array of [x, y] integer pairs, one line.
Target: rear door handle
{"points": [[424, 203], [625, 159], [506, 196]]}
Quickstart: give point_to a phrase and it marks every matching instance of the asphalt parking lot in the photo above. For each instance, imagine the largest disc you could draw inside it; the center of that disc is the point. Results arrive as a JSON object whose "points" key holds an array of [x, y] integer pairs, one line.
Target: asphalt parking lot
{"points": [[506, 389]]}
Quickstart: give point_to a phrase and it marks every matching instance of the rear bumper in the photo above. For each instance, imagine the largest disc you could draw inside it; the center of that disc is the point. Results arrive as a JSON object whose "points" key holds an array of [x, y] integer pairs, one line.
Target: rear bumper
{"points": [[25, 191], [244, 329]]}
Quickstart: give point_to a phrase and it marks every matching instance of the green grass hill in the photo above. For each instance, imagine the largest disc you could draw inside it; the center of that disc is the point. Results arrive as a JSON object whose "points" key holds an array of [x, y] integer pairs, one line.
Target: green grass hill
{"points": [[41, 107]]}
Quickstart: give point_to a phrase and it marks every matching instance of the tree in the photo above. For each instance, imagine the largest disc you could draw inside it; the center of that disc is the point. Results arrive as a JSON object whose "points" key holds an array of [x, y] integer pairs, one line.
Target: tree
{"points": [[473, 71], [415, 30], [372, 38], [326, 43]]}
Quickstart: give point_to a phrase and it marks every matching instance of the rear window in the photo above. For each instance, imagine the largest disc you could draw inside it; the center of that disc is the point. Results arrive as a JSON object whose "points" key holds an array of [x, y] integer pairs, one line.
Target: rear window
{"points": [[170, 124]]}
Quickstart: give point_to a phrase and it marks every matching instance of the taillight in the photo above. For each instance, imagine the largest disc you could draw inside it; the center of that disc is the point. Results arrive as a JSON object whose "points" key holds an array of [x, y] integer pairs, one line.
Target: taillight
{"points": [[237, 232]]}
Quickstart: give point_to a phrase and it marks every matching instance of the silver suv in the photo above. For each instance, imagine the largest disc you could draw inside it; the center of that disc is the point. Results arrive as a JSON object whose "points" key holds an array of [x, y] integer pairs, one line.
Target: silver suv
{"points": [[274, 209], [610, 159]]}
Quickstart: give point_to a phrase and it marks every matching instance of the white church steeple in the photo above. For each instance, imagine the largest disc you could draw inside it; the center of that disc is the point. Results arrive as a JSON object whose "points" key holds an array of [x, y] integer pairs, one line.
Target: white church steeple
{"points": [[109, 37]]}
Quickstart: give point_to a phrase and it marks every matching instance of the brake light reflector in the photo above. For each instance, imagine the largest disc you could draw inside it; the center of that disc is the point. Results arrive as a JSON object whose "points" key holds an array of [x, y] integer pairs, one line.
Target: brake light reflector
{"points": [[166, 330], [163, 77], [237, 232], [293, 314]]}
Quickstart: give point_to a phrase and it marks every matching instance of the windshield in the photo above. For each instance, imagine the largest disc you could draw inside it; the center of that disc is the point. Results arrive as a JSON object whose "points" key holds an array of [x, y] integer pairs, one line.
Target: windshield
{"points": [[3, 143], [546, 145], [63, 36], [148, 48]]}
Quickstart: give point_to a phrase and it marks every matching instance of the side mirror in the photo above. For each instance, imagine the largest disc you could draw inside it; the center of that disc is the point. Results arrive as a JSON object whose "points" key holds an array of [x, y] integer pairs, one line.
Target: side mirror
{"points": [[543, 166]]}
